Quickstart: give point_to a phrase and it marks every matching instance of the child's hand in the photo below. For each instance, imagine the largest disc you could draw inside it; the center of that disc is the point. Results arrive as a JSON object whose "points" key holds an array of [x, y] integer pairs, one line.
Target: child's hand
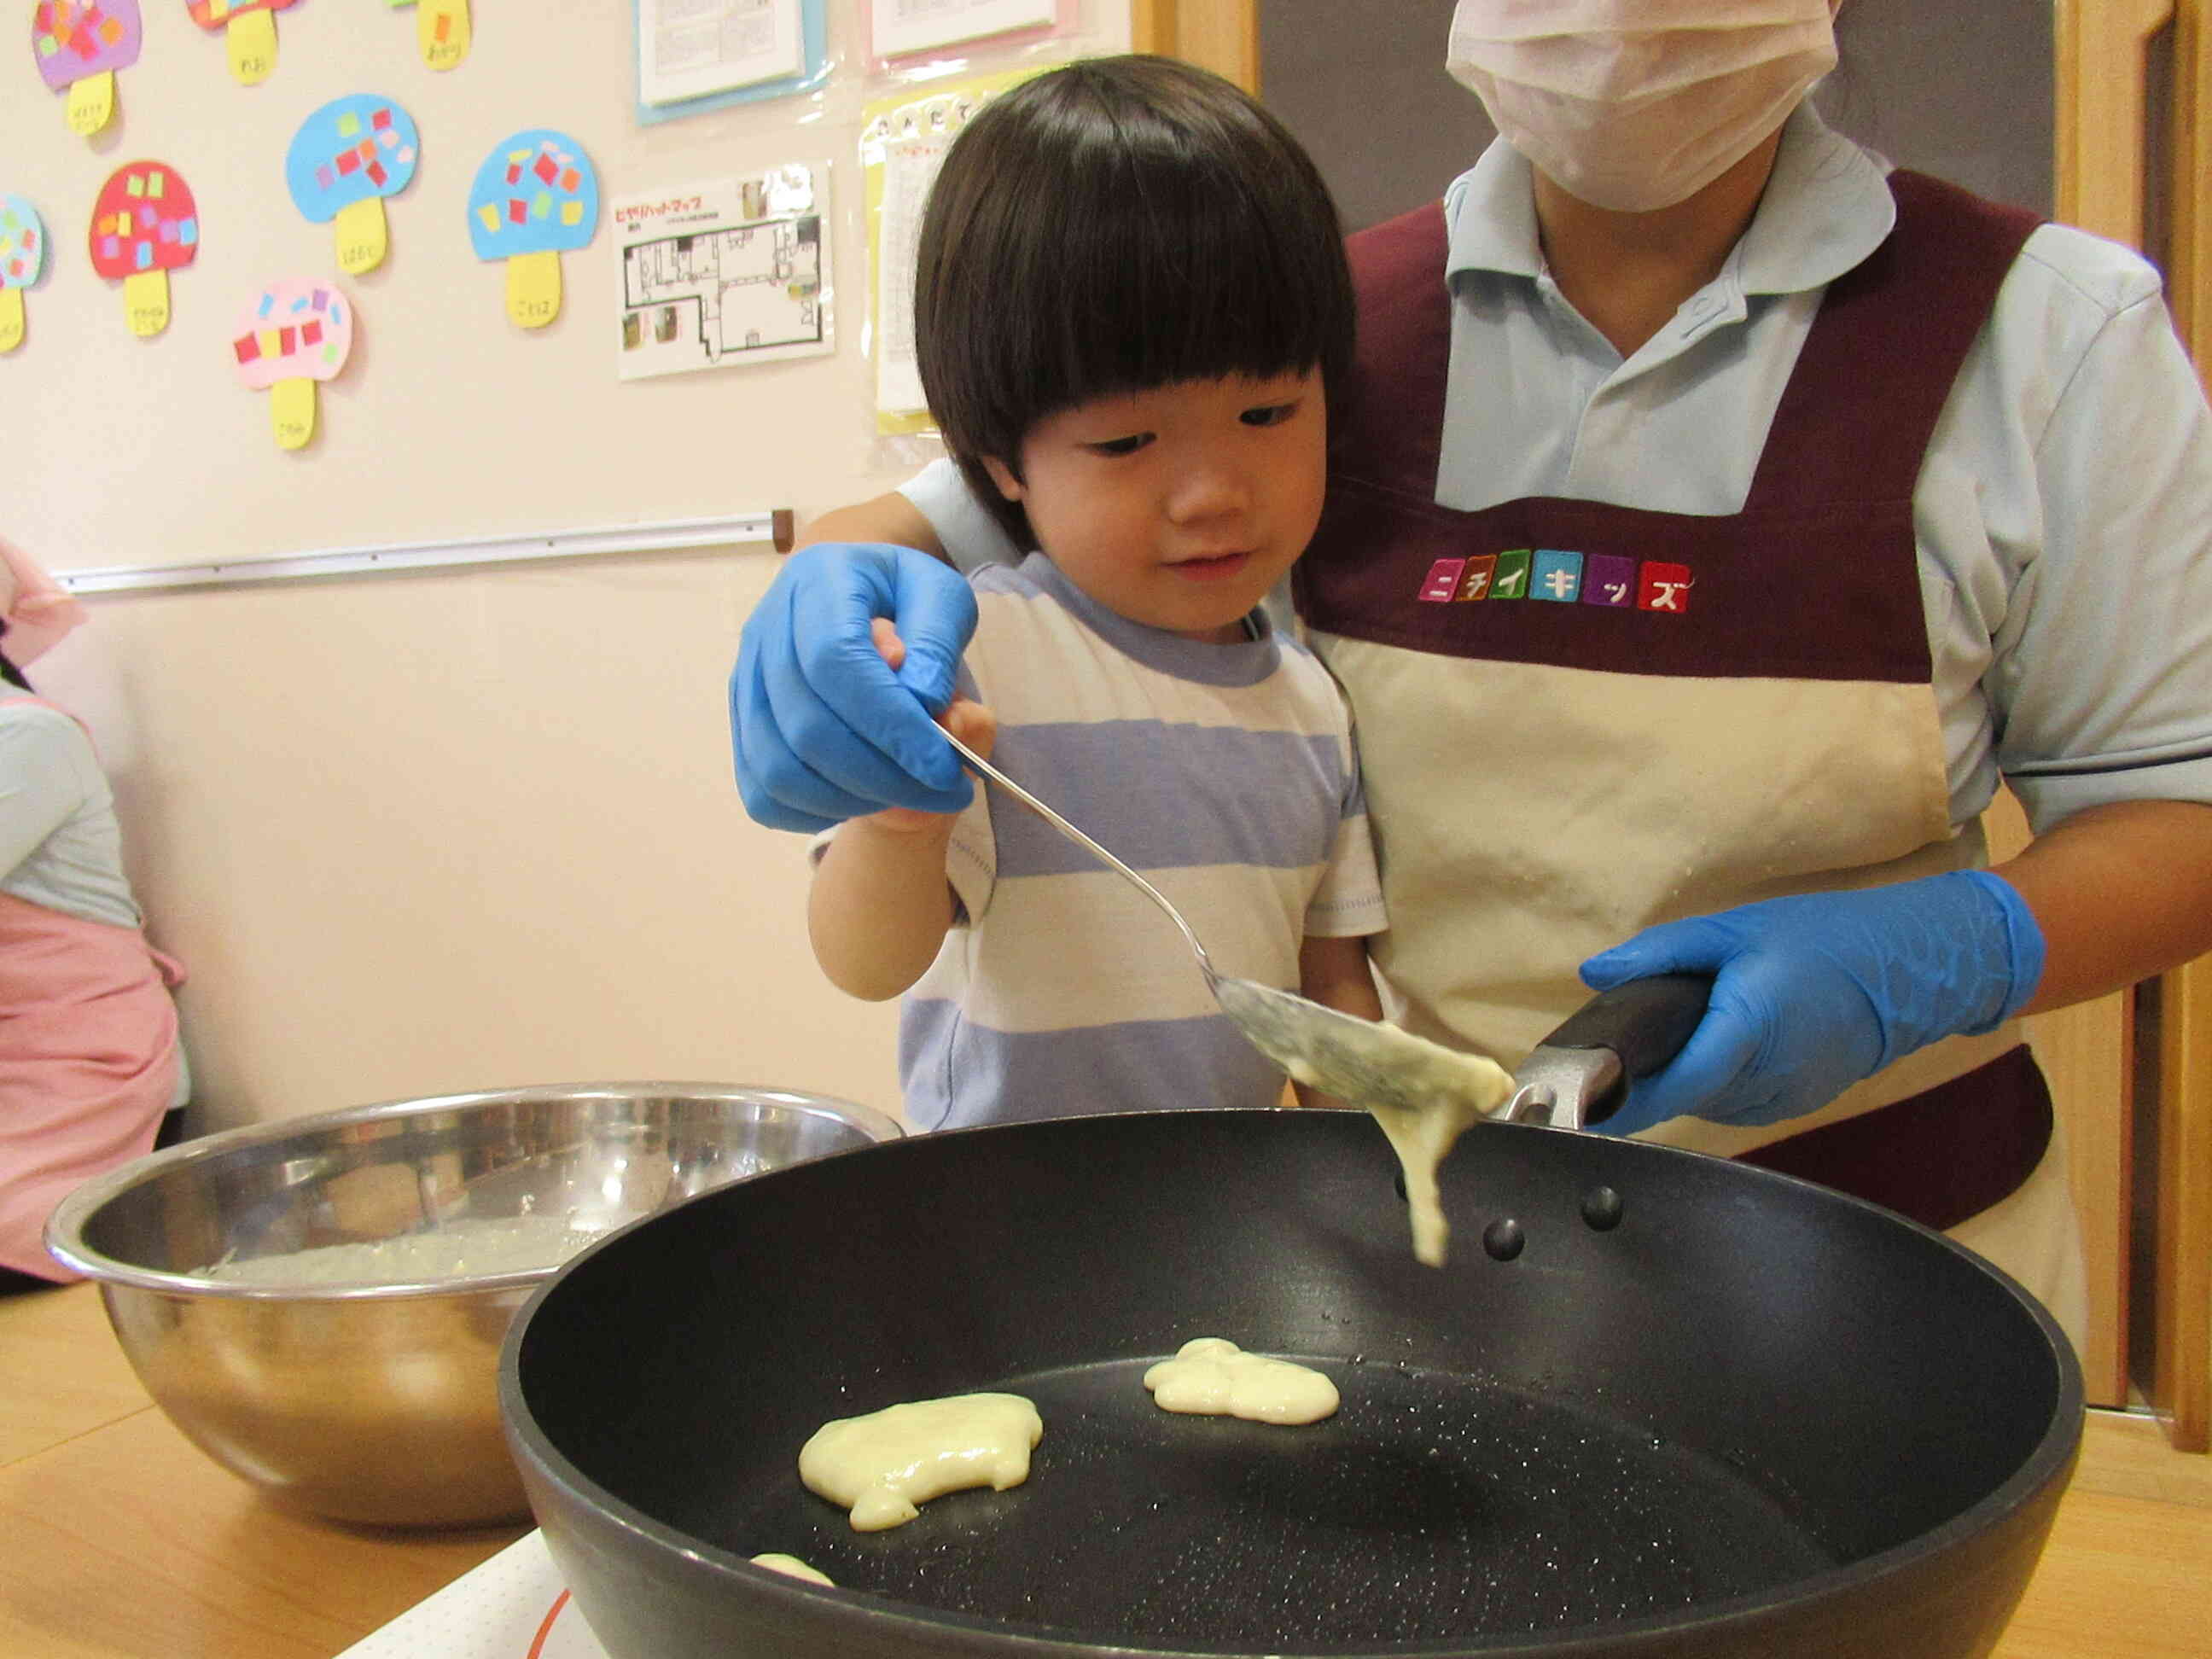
{"points": [[970, 721]]}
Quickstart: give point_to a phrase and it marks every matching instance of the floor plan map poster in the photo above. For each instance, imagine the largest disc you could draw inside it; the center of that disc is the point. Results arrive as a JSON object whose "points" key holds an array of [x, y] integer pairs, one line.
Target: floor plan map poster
{"points": [[719, 275]]}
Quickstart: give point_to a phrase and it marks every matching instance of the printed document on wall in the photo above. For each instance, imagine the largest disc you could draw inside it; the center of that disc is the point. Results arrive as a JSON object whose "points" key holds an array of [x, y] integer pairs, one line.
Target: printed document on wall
{"points": [[903, 143], [693, 48], [899, 26], [725, 273]]}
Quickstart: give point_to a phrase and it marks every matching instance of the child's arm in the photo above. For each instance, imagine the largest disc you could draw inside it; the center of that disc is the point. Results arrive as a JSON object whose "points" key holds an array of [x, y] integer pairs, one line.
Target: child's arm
{"points": [[880, 905], [1334, 972]]}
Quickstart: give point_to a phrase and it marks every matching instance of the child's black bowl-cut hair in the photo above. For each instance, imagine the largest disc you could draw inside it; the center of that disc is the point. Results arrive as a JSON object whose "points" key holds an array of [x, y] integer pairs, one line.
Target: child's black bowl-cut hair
{"points": [[1111, 226]]}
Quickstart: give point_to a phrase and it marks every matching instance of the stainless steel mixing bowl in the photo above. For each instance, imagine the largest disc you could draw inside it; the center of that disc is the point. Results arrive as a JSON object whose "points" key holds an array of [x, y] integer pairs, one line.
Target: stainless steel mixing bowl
{"points": [[375, 1400]]}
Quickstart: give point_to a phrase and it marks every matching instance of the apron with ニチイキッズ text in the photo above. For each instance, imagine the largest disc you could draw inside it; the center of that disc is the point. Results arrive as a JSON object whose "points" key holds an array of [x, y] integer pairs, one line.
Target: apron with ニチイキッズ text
{"points": [[89, 1061], [1576, 720]]}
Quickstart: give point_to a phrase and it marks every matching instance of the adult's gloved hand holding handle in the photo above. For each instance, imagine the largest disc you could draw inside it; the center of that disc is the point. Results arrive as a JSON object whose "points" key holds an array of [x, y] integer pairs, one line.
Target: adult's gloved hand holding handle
{"points": [[1815, 993], [822, 729]]}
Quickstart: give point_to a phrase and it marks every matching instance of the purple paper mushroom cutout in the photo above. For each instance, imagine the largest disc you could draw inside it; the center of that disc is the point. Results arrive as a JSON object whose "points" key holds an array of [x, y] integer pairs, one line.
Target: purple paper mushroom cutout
{"points": [[80, 44], [297, 332], [22, 256], [536, 196], [345, 159]]}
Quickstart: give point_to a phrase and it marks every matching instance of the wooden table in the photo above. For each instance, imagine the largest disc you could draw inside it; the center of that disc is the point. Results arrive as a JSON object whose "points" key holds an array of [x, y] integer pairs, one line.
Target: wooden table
{"points": [[119, 1539]]}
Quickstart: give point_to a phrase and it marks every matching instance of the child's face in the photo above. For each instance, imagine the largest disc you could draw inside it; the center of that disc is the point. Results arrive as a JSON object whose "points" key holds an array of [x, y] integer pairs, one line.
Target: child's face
{"points": [[1179, 507]]}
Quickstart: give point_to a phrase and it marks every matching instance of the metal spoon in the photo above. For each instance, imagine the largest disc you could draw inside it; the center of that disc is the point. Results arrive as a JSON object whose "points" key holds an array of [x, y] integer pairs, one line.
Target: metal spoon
{"points": [[1360, 1062]]}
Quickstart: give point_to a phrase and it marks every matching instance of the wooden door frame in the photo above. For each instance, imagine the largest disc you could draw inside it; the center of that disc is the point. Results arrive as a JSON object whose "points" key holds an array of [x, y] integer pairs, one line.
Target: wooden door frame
{"points": [[1222, 35], [2103, 177]]}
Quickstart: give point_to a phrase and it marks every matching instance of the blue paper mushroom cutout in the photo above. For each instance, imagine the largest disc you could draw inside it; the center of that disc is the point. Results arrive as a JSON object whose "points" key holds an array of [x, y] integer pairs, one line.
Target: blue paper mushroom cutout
{"points": [[22, 256], [345, 159], [536, 198]]}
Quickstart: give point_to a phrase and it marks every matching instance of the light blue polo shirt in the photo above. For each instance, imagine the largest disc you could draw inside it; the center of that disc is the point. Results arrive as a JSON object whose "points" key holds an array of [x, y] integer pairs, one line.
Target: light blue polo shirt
{"points": [[2063, 513]]}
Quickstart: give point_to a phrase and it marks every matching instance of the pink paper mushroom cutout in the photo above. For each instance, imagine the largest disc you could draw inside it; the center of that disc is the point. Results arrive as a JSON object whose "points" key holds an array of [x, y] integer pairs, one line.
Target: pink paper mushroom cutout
{"points": [[298, 332], [22, 256], [144, 226], [345, 159], [80, 44], [535, 197], [249, 31]]}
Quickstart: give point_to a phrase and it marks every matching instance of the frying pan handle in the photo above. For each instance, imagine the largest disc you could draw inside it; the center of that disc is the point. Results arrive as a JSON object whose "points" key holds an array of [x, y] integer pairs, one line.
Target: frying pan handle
{"points": [[1644, 1021]]}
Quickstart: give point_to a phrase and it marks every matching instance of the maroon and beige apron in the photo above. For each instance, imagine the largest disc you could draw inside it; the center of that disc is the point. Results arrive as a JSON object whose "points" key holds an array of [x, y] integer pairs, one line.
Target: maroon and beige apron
{"points": [[1578, 719], [89, 1061]]}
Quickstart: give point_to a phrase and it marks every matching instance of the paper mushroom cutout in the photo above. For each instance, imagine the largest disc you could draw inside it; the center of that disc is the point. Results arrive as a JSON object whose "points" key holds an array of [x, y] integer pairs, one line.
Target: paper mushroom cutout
{"points": [[297, 332], [442, 31], [534, 198], [345, 159], [144, 227], [80, 44], [249, 31], [22, 256]]}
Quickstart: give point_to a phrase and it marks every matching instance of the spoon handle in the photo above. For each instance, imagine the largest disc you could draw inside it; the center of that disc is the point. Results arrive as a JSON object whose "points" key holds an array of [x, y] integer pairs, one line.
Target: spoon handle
{"points": [[984, 769]]}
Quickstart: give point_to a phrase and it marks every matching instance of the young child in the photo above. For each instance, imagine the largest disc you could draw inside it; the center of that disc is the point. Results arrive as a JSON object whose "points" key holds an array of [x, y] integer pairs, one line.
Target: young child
{"points": [[1131, 300], [90, 1063]]}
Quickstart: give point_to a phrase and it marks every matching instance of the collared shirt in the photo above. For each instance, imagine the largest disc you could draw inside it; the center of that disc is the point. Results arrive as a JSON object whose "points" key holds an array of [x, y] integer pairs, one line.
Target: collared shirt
{"points": [[2063, 512]]}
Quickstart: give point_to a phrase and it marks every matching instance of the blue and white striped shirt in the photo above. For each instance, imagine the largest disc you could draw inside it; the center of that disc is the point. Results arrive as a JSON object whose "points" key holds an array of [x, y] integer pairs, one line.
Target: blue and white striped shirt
{"points": [[1227, 774]]}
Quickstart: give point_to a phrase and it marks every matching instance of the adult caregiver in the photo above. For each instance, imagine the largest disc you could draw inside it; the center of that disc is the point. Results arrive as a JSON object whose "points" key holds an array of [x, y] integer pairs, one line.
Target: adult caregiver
{"points": [[1713, 519]]}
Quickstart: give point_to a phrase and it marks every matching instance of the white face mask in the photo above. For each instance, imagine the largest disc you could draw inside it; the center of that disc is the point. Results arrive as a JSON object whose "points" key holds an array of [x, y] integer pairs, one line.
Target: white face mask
{"points": [[1636, 105]]}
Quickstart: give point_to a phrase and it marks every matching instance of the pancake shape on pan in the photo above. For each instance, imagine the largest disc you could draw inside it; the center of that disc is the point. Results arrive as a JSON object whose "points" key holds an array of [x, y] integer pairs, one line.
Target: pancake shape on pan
{"points": [[880, 1466], [1212, 1376]]}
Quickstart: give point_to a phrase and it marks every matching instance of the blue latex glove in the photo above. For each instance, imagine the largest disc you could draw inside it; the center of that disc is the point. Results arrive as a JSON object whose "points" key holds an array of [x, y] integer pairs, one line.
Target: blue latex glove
{"points": [[1813, 993], [822, 730]]}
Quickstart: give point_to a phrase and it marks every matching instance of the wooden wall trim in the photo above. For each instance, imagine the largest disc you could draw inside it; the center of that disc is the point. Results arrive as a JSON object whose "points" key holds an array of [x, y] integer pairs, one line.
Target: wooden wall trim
{"points": [[1152, 26], [2189, 276], [1222, 35], [2179, 1383], [2101, 49], [2103, 85], [2182, 1389]]}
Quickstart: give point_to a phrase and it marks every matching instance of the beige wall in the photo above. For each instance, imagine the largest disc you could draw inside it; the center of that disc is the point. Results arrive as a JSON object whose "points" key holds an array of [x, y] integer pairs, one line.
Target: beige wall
{"points": [[441, 832], [416, 833]]}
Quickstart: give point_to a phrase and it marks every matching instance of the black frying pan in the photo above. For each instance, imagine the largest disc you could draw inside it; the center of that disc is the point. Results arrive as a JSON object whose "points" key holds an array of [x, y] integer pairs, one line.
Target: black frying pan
{"points": [[1705, 1410]]}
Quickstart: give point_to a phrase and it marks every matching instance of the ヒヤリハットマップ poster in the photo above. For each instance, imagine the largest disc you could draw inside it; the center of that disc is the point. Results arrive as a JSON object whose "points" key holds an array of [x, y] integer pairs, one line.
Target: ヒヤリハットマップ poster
{"points": [[719, 275]]}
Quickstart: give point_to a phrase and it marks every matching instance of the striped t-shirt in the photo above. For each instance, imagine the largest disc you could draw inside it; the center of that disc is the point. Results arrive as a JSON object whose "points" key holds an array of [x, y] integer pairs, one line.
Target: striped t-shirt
{"points": [[1226, 774]]}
